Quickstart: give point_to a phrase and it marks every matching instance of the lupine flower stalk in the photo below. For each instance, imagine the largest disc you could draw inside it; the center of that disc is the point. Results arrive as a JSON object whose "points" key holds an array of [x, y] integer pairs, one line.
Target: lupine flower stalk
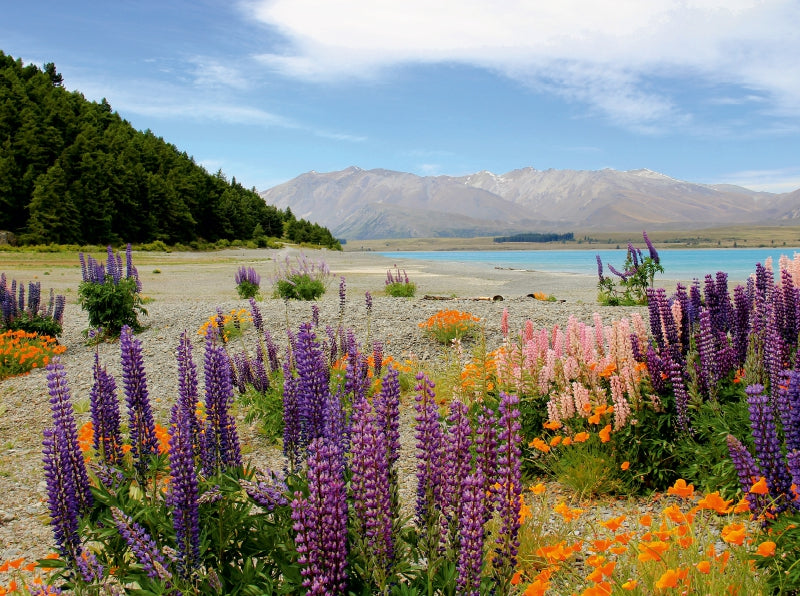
{"points": [[509, 491], [142, 546], [471, 534], [187, 388], [220, 440], [183, 490], [104, 406], [140, 415], [62, 496], [320, 521]]}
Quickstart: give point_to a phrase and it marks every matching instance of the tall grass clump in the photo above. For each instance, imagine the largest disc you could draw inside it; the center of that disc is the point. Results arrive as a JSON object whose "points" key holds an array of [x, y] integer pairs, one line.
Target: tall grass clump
{"points": [[398, 285], [111, 295], [301, 278], [31, 315], [629, 286]]}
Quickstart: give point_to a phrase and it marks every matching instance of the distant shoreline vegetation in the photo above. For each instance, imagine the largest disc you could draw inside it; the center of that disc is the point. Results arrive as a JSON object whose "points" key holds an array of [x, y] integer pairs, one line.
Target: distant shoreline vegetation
{"points": [[537, 237]]}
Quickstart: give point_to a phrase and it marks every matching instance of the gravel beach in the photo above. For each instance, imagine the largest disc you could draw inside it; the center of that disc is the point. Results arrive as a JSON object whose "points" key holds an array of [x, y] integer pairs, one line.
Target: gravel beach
{"points": [[185, 289]]}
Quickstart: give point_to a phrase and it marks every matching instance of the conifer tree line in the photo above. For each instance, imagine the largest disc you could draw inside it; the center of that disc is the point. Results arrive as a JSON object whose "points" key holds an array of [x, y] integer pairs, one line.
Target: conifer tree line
{"points": [[74, 172]]}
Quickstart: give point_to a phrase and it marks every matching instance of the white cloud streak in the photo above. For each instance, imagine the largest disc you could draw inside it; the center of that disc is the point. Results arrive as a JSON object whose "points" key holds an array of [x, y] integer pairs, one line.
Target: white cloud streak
{"points": [[609, 54]]}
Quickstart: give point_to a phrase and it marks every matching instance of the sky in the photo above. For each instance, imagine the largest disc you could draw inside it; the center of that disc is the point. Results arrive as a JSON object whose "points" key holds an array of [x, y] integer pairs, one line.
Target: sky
{"points": [[265, 90]]}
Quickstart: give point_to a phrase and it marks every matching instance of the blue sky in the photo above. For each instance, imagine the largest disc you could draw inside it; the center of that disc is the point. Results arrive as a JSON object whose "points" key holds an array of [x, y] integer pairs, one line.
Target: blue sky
{"points": [[701, 90]]}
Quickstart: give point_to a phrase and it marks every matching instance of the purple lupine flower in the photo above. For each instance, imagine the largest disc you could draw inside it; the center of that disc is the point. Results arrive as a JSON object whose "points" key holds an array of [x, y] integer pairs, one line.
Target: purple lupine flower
{"points": [[764, 281], [315, 315], [21, 303], [272, 352], [651, 248], [430, 456], [789, 315], [458, 458], [61, 493], [600, 268], [377, 358], [140, 415], [634, 255], [34, 297], [748, 473], [64, 423], [688, 317], [320, 521], [247, 274], [313, 384], [342, 297], [333, 344], [143, 547], [58, 311], [471, 534], [183, 491], [105, 415], [789, 409], [510, 491], [623, 275], [740, 324], [292, 424], [84, 270], [656, 328], [89, 567], [707, 363], [244, 374], [387, 419], [188, 396], [268, 491], [656, 369], [675, 374], [776, 352], [768, 446], [486, 450], [255, 313], [368, 301], [370, 487], [220, 442], [356, 377], [259, 373]]}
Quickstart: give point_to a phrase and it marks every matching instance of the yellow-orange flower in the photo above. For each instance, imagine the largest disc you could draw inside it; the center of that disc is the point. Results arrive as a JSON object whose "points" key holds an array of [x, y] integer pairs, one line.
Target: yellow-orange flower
{"points": [[652, 551], [581, 437], [630, 585], [567, 513], [669, 579], [681, 489], [766, 548], [734, 533], [614, 523], [539, 444], [704, 567], [760, 487], [538, 489], [716, 503], [625, 465], [605, 434], [552, 425], [537, 588]]}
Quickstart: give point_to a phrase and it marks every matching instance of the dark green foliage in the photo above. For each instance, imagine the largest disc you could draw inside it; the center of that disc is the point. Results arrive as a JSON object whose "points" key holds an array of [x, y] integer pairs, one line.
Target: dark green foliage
{"points": [[300, 287], [39, 324], [401, 289], [783, 572], [112, 305], [73, 171], [536, 237], [246, 290]]}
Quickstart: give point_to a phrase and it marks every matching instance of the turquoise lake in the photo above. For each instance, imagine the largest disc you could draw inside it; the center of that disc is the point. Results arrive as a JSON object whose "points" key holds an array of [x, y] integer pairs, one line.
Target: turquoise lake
{"points": [[679, 264]]}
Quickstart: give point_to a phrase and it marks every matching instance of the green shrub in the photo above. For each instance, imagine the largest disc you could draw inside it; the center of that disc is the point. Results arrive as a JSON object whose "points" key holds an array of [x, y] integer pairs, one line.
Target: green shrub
{"points": [[635, 278], [302, 279], [398, 285]]}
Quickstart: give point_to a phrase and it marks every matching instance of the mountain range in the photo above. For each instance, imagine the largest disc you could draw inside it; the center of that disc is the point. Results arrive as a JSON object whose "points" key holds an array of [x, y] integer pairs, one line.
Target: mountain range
{"points": [[371, 204]]}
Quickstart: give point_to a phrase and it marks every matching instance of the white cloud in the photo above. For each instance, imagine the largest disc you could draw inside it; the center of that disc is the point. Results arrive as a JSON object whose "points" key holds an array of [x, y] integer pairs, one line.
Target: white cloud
{"points": [[610, 54], [775, 180]]}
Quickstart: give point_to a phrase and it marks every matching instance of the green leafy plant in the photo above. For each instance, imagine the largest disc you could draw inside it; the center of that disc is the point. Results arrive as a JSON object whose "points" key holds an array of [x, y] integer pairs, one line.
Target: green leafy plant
{"points": [[248, 282], [629, 286], [301, 279], [398, 285], [32, 317], [111, 300]]}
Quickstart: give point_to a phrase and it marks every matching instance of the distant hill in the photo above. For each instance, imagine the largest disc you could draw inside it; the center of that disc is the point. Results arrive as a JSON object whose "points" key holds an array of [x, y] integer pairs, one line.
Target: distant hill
{"points": [[74, 172], [370, 204]]}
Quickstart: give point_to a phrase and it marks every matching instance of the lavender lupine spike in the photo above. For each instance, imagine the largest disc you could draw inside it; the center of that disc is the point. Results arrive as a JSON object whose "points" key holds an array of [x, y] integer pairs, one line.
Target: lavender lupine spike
{"points": [[430, 456], [458, 458], [64, 422], [656, 328], [104, 407], [652, 249], [387, 416], [510, 491], [471, 535], [142, 546], [707, 369], [320, 521], [272, 352], [776, 353], [675, 374], [315, 315], [486, 450], [255, 313], [333, 344], [269, 491], [768, 446], [313, 384], [342, 298], [790, 312], [634, 255], [370, 488], [748, 472], [34, 297], [188, 396], [789, 409], [687, 316], [220, 442], [21, 303], [623, 275], [140, 414], [61, 493], [740, 324], [184, 492], [600, 269], [377, 358], [356, 380], [292, 425]]}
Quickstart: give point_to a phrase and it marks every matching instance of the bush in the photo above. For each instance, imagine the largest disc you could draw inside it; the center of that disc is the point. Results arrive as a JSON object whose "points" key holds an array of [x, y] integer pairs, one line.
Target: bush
{"points": [[248, 282], [448, 325], [22, 351], [33, 318], [635, 278], [111, 300], [302, 279], [399, 286]]}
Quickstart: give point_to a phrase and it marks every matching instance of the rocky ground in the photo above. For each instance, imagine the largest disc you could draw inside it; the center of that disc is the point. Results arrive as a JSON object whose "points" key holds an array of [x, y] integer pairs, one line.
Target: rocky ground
{"points": [[187, 288]]}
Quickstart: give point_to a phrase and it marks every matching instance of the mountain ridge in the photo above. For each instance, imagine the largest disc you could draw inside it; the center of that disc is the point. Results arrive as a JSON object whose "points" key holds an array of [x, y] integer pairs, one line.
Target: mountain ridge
{"points": [[379, 203]]}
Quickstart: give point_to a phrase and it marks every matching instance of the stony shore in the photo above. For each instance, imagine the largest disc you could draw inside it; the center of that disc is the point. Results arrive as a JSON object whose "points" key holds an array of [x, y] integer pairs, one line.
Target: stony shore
{"points": [[187, 288]]}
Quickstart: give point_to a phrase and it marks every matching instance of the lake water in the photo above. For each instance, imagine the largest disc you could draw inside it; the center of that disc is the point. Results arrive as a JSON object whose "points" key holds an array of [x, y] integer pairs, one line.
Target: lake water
{"points": [[679, 264]]}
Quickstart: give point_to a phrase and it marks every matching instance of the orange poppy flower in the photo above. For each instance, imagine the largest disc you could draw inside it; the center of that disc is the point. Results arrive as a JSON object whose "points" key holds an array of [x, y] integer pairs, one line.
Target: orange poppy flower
{"points": [[760, 487], [716, 503], [625, 465], [605, 434], [766, 548], [734, 533], [681, 489], [704, 567]]}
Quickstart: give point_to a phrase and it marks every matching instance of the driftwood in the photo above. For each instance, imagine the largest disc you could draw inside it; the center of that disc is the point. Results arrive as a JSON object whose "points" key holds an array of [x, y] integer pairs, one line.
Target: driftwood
{"points": [[497, 298]]}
